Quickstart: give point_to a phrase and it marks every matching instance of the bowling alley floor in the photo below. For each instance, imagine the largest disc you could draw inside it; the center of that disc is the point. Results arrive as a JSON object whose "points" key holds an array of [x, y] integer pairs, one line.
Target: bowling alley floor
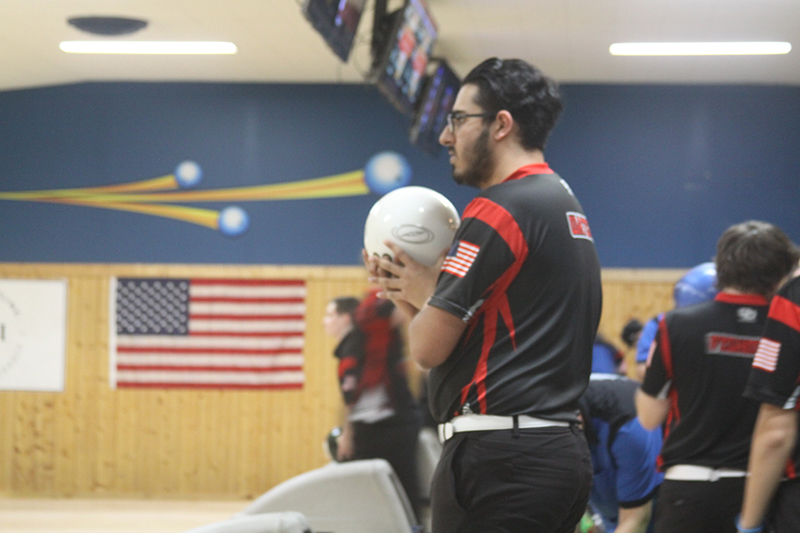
{"points": [[19, 515]]}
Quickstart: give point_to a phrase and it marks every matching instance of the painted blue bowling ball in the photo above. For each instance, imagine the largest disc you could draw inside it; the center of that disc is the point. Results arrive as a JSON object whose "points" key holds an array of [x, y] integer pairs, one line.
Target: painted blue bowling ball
{"points": [[387, 171], [188, 174], [233, 221]]}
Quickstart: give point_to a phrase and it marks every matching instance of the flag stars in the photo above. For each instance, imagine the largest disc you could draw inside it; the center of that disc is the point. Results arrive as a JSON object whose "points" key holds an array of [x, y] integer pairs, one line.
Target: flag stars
{"points": [[152, 307]]}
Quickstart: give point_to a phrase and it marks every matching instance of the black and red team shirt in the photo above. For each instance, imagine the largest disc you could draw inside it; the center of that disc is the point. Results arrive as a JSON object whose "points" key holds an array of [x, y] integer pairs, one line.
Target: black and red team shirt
{"points": [[775, 376], [372, 372], [701, 362], [523, 273]]}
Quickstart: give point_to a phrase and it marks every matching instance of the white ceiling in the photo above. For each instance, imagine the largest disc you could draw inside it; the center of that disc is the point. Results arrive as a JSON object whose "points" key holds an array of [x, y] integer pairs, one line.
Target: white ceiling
{"points": [[568, 39]]}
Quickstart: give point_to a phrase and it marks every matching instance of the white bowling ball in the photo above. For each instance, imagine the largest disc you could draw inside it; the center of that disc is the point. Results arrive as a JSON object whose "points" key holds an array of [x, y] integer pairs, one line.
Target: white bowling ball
{"points": [[419, 220]]}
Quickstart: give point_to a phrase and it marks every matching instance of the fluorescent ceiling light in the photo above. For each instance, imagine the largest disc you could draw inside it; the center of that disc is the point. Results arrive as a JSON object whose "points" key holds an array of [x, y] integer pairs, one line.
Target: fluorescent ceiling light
{"points": [[699, 49], [147, 47]]}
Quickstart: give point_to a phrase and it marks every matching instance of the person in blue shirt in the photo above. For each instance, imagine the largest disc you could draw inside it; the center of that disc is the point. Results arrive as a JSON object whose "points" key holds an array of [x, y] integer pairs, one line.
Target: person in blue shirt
{"points": [[623, 455], [607, 358]]}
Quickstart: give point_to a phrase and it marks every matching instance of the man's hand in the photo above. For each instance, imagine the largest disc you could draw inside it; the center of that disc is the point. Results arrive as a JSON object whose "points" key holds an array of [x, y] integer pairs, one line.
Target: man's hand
{"points": [[344, 444], [404, 280]]}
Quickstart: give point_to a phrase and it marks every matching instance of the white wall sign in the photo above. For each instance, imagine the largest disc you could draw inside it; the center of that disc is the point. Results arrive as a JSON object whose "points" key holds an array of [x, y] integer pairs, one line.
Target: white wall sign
{"points": [[33, 331]]}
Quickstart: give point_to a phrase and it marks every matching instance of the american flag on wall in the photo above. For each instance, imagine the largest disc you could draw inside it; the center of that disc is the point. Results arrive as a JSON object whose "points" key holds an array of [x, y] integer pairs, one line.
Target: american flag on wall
{"points": [[207, 333]]}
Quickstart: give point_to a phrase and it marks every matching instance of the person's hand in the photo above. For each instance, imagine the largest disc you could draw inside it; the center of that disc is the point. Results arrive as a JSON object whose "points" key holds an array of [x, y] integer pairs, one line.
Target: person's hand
{"points": [[404, 280], [371, 263], [344, 445]]}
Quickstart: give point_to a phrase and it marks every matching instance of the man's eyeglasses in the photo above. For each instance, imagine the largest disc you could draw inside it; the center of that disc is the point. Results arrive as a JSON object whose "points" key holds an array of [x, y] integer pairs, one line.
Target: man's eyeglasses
{"points": [[456, 118]]}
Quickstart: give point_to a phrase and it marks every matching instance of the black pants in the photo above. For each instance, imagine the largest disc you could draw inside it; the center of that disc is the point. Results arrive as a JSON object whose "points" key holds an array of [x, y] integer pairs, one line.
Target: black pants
{"points": [[785, 513], [531, 481], [395, 440], [699, 506]]}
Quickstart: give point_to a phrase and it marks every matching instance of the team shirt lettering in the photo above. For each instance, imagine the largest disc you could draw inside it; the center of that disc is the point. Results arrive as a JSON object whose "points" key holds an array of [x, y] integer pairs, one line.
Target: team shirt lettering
{"points": [[460, 258], [737, 346], [579, 226], [767, 355]]}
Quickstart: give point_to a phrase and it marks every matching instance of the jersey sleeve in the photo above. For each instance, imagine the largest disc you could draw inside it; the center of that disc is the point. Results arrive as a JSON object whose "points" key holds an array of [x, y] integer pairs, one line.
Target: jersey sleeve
{"points": [[483, 250], [658, 376], [634, 451], [775, 374], [351, 366]]}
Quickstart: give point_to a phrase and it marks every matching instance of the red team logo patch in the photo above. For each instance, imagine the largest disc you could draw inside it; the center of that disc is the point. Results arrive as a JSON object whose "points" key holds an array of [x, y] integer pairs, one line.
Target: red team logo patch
{"points": [[460, 258], [735, 345], [579, 226]]}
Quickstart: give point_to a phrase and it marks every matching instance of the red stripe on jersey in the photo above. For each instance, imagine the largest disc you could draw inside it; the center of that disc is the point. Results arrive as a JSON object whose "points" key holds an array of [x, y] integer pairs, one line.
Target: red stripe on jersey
{"points": [[504, 224], [741, 299], [465, 390], [489, 336], [673, 417], [666, 348], [791, 469], [786, 312], [674, 413], [530, 170], [791, 472], [346, 364], [378, 335]]}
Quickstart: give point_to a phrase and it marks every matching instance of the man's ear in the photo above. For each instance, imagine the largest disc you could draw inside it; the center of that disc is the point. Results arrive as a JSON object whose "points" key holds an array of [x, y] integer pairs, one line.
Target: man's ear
{"points": [[503, 125]]}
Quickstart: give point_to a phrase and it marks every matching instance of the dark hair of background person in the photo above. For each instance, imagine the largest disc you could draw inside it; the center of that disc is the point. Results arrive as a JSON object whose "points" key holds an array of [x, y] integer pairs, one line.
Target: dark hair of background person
{"points": [[345, 305], [630, 332], [754, 257], [523, 90]]}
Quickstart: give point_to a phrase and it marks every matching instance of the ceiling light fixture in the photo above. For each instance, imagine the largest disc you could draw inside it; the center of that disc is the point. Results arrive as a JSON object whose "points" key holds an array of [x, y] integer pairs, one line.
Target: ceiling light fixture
{"points": [[699, 49], [147, 47]]}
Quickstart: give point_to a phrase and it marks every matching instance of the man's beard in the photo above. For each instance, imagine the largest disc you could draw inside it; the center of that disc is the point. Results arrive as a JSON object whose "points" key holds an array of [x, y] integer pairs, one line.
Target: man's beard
{"points": [[479, 171]]}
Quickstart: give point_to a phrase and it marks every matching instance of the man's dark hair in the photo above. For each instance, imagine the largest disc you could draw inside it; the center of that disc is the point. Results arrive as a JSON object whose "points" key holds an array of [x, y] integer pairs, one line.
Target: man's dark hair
{"points": [[524, 91], [754, 257], [346, 305]]}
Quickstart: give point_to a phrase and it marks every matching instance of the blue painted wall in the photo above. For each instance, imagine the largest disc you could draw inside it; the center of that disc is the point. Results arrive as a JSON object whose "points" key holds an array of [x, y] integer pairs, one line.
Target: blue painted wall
{"points": [[661, 170]]}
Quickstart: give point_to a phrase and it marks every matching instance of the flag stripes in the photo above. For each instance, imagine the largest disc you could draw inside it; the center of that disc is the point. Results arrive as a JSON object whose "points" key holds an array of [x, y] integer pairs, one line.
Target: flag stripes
{"points": [[460, 258], [766, 357]]}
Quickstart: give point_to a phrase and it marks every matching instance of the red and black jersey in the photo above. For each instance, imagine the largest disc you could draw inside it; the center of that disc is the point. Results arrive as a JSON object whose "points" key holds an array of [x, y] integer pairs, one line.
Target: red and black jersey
{"points": [[701, 362], [523, 273], [372, 373], [775, 376]]}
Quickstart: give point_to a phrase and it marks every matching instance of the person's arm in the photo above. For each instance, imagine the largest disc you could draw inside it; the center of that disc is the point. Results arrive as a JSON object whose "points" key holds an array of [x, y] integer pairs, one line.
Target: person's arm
{"points": [[652, 397], [652, 412], [773, 441], [432, 336], [345, 448], [634, 519], [640, 370]]}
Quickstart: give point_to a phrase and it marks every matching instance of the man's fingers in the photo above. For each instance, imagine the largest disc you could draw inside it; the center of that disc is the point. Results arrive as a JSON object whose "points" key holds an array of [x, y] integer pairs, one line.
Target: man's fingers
{"points": [[389, 267], [371, 262], [400, 256]]}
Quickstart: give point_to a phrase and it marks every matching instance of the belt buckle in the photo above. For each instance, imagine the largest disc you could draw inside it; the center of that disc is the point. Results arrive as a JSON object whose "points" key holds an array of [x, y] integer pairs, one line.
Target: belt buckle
{"points": [[446, 431]]}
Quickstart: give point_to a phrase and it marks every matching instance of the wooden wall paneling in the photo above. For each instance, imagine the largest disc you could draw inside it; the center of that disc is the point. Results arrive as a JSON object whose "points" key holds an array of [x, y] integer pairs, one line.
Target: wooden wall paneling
{"points": [[67, 417], [94, 441], [634, 294], [7, 441]]}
